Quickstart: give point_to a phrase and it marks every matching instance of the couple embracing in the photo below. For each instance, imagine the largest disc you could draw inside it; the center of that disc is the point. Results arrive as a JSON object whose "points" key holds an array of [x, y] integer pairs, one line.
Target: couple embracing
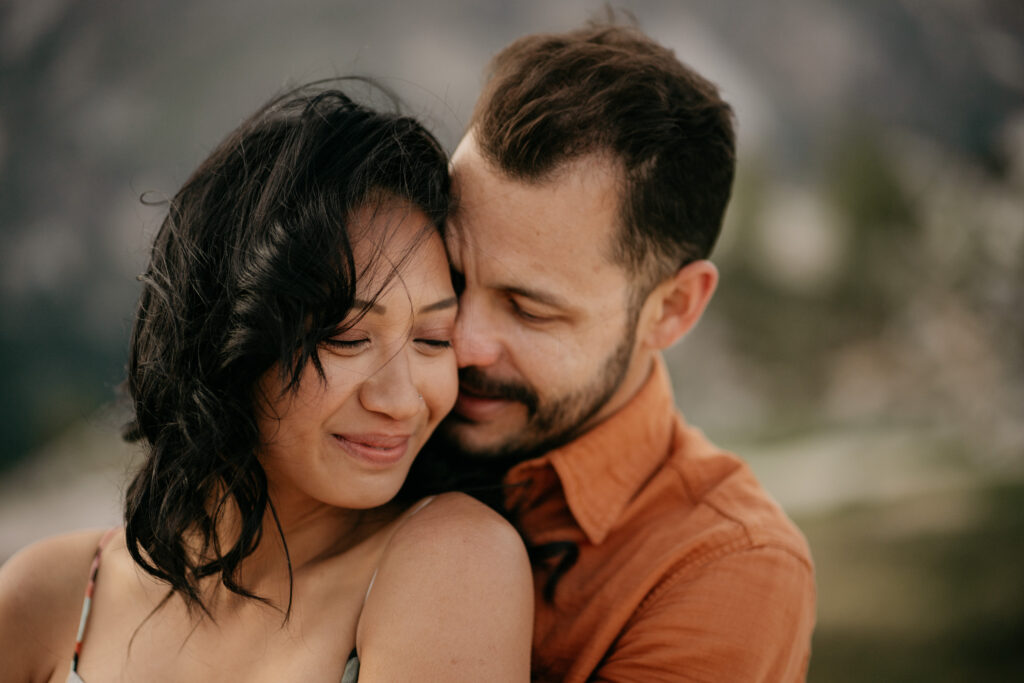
{"points": [[406, 420]]}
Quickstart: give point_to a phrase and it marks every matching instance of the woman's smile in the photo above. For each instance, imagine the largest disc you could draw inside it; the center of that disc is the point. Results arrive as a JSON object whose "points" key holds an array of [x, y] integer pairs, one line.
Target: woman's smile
{"points": [[375, 450]]}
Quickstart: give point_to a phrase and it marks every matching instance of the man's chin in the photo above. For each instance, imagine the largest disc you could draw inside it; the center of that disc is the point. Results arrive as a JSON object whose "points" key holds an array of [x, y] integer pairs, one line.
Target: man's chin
{"points": [[475, 440]]}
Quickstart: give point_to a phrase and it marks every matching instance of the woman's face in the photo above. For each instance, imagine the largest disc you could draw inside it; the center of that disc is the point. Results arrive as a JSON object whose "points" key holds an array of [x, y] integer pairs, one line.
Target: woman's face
{"points": [[348, 441]]}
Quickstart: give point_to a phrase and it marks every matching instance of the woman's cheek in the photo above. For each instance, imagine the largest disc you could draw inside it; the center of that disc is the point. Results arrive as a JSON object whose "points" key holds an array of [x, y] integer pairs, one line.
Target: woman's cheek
{"points": [[444, 383]]}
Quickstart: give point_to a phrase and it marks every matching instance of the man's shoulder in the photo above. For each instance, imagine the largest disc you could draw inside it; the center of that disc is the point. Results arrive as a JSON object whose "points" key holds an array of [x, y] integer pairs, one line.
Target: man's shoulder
{"points": [[716, 504], [728, 566], [701, 547]]}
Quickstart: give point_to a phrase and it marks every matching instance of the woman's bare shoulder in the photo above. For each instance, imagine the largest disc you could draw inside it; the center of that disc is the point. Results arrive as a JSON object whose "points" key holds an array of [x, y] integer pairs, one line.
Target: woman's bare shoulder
{"points": [[456, 523], [453, 595], [463, 517], [460, 541], [41, 592], [48, 570]]}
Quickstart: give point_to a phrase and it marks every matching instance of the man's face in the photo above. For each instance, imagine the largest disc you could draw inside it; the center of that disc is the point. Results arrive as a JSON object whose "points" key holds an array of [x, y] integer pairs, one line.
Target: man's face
{"points": [[545, 333]]}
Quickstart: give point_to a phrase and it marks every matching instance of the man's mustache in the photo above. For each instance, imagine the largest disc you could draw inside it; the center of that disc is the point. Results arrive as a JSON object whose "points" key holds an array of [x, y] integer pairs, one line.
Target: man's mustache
{"points": [[473, 380]]}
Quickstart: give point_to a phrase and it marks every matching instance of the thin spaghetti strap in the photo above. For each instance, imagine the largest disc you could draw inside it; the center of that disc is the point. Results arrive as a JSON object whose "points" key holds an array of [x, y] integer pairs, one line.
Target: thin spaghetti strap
{"points": [[422, 504], [87, 602], [405, 517]]}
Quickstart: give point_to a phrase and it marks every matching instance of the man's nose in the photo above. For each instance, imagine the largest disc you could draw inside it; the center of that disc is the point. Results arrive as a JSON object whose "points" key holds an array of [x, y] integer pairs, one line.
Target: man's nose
{"points": [[476, 339]]}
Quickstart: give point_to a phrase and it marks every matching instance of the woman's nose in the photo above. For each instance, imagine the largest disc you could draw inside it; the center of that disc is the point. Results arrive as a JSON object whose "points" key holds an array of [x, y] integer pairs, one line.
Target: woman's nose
{"points": [[391, 390]]}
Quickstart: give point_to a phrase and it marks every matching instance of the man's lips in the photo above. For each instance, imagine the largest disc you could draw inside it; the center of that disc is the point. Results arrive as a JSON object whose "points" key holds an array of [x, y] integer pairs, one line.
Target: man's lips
{"points": [[477, 408], [379, 450]]}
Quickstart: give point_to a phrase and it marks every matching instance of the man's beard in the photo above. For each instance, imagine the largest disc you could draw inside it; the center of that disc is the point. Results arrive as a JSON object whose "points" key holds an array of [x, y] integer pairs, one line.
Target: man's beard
{"points": [[549, 424]]}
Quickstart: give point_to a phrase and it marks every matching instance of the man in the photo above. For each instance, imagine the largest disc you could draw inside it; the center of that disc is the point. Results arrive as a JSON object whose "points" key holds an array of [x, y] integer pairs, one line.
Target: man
{"points": [[591, 186]]}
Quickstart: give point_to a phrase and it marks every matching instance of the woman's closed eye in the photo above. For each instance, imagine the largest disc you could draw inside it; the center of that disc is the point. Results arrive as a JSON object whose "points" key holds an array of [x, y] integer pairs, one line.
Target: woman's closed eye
{"points": [[347, 344], [433, 342], [352, 345]]}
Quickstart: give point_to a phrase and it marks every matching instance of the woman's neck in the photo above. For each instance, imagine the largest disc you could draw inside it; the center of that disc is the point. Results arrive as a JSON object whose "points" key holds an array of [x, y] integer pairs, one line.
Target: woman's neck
{"points": [[295, 538]]}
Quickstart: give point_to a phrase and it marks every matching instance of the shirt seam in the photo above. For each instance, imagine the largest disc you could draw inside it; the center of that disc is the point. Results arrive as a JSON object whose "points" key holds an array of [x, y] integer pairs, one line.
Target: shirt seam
{"points": [[755, 544], [702, 561], [744, 527]]}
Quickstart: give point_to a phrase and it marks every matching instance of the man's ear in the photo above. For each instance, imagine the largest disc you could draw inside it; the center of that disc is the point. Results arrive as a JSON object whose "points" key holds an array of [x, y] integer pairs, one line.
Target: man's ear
{"points": [[675, 305]]}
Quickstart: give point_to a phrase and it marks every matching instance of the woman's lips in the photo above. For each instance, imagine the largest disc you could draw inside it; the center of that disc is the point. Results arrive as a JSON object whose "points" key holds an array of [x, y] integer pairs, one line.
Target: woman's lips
{"points": [[380, 450]]}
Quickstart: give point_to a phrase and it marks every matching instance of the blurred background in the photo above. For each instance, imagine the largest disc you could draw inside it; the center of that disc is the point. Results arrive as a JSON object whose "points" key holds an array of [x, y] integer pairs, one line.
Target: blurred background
{"points": [[864, 352]]}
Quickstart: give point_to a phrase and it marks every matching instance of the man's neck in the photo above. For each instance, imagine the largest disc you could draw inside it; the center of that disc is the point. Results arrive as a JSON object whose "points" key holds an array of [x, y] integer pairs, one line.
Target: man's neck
{"points": [[635, 379]]}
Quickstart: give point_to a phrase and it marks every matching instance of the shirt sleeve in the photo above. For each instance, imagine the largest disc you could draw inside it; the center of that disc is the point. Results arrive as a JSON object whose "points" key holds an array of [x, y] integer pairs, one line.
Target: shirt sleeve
{"points": [[747, 616]]}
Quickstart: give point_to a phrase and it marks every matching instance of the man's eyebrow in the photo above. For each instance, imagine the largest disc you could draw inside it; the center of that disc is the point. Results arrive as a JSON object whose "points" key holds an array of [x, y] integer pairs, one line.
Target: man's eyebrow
{"points": [[381, 309], [541, 297]]}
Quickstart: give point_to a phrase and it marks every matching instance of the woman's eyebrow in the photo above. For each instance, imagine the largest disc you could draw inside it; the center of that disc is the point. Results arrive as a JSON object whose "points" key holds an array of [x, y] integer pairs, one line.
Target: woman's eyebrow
{"points": [[450, 302], [381, 309]]}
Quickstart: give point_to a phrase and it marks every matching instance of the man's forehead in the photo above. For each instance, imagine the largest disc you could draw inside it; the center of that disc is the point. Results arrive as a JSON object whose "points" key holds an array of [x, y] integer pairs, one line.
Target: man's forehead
{"points": [[573, 213], [454, 241]]}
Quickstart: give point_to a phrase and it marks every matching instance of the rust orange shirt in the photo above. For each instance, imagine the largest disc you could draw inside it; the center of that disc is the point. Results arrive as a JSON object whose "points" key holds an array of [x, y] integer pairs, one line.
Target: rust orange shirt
{"points": [[687, 569]]}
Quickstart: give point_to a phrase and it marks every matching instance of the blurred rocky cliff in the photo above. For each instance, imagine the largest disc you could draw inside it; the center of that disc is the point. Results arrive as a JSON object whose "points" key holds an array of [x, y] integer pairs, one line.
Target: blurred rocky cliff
{"points": [[872, 260]]}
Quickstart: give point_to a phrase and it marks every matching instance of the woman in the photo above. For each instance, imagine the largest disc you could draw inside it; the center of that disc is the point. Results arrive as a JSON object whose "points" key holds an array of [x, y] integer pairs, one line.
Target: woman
{"points": [[290, 355]]}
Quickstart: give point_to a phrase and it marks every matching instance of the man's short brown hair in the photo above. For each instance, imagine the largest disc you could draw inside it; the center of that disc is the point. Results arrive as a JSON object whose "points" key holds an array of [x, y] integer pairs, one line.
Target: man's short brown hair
{"points": [[611, 90]]}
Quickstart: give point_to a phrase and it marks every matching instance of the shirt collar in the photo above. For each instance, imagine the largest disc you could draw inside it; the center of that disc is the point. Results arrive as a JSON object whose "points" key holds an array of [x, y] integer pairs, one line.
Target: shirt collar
{"points": [[604, 468]]}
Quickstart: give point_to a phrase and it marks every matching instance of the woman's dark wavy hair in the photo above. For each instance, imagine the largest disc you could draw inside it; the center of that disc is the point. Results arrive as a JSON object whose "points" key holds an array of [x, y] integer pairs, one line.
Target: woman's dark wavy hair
{"points": [[252, 268]]}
